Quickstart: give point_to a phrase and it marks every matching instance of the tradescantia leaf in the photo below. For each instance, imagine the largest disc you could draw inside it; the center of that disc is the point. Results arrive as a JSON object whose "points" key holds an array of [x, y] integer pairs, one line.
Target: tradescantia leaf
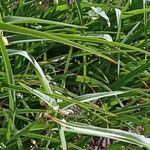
{"points": [[116, 134]]}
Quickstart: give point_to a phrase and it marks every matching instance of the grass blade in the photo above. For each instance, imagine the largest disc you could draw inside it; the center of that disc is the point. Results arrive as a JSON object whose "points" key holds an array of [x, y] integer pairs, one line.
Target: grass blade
{"points": [[10, 80], [20, 20], [128, 77], [103, 132], [22, 30]]}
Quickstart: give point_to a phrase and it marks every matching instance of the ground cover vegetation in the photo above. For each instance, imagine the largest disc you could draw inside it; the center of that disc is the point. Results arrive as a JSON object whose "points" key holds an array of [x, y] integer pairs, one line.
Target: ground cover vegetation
{"points": [[74, 74]]}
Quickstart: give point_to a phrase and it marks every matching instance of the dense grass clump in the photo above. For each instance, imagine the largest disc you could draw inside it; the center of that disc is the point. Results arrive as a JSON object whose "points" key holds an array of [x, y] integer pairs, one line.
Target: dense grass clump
{"points": [[74, 75]]}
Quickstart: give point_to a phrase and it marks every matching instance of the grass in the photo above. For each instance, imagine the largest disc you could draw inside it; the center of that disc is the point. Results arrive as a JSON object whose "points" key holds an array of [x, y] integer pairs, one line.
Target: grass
{"points": [[74, 76]]}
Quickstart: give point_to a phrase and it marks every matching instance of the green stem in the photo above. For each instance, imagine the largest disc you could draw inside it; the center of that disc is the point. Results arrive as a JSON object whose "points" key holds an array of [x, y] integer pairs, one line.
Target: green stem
{"points": [[145, 26], [10, 80], [84, 71], [67, 66]]}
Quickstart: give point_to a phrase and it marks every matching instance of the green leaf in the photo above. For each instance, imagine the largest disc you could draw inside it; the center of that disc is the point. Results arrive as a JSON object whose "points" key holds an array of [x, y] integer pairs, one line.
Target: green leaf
{"points": [[128, 77], [116, 134], [10, 80], [96, 96], [20, 20], [42, 77], [39, 34], [51, 102], [135, 12]]}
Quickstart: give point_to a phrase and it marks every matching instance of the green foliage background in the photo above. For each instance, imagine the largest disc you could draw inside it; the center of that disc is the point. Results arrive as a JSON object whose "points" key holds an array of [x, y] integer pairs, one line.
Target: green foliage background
{"points": [[74, 74]]}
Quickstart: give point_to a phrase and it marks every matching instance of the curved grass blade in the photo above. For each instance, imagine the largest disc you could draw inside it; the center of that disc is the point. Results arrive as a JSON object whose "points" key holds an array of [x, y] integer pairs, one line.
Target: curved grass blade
{"points": [[47, 99], [84, 106], [42, 77], [51, 102], [103, 132]]}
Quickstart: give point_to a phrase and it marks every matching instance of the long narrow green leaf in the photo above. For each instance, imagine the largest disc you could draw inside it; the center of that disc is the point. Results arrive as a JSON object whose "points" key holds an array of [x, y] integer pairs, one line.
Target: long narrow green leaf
{"points": [[47, 99], [128, 77], [103, 132], [51, 102], [96, 96], [85, 106], [62, 137], [42, 77], [42, 137], [10, 80], [44, 80], [20, 20], [22, 30], [101, 41], [135, 12]]}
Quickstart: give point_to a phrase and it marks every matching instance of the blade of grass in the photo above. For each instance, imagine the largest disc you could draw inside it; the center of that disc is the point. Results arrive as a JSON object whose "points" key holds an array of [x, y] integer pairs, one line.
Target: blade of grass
{"points": [[62, 137], [42, 96], [20, 20], [10, 80], [135, 12], [22, 30], [44, 80], [128, 77], [103, 132], [96, 96], [47, 99], [42, 77], [67, 66], [101, 41], [145, 26]]}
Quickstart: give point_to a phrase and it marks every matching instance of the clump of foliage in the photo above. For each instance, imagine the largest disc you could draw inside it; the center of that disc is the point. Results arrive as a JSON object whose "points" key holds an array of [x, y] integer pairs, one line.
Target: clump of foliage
{"points": [[74, 74]]}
